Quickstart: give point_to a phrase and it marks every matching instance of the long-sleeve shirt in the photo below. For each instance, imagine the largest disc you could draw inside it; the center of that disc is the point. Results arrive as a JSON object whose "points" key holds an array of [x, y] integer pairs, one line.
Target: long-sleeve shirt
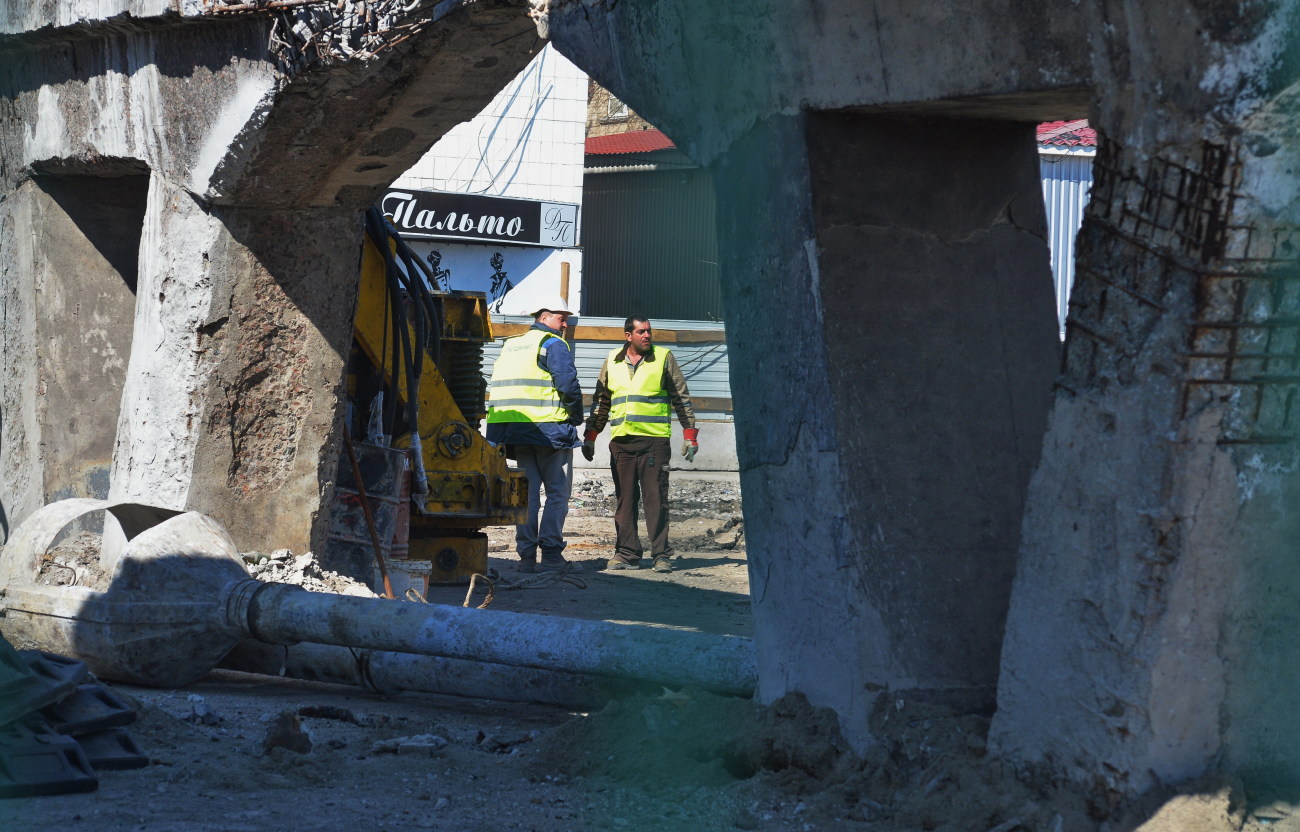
{"points": [[557, 359], [673, 383]]}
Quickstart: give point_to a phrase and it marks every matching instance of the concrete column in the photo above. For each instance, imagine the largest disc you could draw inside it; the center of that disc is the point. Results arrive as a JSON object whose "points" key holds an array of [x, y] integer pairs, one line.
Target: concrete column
{"points": [[1152, 633], [69, 302], [242, 333], [21, 488], [890, 315]]}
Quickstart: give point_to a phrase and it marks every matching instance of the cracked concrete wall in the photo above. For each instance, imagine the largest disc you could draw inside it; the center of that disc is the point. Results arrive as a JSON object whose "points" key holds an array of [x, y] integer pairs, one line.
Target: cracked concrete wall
{"points": [[1151, 635]]}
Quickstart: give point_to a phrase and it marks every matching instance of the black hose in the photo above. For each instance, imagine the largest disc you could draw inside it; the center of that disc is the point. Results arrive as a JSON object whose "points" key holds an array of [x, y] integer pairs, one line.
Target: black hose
{"points": [[411, 360]]}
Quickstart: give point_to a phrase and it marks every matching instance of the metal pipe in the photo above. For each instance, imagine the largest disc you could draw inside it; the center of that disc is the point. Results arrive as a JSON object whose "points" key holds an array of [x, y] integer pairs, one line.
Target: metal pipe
{"points": [[388, 672], [280, 613], [181, 599], [629, 168], [365, 509]]}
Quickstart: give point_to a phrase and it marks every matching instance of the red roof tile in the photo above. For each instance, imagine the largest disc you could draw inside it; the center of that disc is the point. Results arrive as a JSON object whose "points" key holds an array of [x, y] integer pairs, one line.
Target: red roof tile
{"points": [[1075, 133], [638, 141]]}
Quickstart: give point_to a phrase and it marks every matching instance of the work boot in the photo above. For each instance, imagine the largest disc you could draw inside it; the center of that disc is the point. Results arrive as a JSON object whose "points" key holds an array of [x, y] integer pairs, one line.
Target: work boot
{"points": [[527, 567], [616, 564], [663, 565], [553, 564]]}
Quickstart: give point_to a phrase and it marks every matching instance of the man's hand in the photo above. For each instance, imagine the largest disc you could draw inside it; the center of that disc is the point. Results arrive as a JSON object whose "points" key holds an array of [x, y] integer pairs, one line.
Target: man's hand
{"points": [[589, 445], [692, 444]]}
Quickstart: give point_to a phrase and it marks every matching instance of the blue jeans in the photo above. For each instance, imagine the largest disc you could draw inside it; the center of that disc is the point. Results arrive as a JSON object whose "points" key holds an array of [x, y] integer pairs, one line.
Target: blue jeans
{"points": [[549, 470]]}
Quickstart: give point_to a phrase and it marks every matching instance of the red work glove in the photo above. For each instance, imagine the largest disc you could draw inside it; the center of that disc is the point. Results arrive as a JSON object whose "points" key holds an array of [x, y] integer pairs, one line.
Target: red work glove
{"points": [[589, 445], [692, 444]]}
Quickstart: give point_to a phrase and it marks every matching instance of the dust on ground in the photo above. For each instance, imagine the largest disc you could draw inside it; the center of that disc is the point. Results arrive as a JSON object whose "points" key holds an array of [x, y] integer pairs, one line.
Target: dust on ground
{"points": [[244, 752]]}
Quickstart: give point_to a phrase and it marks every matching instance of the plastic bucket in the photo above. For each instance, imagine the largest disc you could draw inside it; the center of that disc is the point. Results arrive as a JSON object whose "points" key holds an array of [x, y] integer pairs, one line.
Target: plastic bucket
{"points": [[404, 575]]}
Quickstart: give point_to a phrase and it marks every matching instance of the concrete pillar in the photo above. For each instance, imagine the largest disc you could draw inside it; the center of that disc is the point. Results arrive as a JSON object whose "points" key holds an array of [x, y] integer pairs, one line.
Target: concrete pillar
{"points": [[889, 312], [242, 332], [68, 305], [1152, 633], [21, 489]]}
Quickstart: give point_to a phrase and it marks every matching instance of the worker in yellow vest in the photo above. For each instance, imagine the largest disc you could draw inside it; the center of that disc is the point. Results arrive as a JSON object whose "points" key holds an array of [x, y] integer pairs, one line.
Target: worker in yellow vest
{"points": [[534, 406], [640, 385]]}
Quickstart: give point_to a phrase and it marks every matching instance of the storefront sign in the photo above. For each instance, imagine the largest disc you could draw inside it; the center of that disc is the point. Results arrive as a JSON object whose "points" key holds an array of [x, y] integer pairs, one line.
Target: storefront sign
{"points": [[438, 215]]}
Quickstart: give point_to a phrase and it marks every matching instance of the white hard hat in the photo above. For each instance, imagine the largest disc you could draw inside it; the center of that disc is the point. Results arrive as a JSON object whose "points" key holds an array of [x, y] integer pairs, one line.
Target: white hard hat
{"points": [[554, 303]]}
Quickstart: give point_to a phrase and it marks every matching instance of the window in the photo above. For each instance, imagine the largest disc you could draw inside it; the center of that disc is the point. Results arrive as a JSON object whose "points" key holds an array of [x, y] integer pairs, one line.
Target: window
{"points": [[615, 110]]}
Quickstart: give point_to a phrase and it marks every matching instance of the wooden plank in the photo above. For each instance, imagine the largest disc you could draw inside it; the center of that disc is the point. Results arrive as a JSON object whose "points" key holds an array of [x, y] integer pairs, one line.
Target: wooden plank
{"points": [[699, 336]]}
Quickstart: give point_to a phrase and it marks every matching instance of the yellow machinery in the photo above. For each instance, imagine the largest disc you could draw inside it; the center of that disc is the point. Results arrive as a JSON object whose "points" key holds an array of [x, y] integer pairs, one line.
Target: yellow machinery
{"points": [[401, 326]]}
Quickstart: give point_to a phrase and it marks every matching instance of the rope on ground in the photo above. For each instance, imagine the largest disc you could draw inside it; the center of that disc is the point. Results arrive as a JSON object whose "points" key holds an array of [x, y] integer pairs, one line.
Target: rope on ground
{"points": [[491, 593], [541, 579]]}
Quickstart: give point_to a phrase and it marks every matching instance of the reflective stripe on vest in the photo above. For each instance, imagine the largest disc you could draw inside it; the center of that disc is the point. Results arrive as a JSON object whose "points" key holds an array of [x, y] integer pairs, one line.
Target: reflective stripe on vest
{"points": [[520, 390], [638, 403]]}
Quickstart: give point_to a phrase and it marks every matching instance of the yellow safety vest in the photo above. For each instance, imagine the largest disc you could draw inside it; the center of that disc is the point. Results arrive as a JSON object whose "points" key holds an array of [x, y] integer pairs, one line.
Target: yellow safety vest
{"points": [[638, 404], [520, 390]]}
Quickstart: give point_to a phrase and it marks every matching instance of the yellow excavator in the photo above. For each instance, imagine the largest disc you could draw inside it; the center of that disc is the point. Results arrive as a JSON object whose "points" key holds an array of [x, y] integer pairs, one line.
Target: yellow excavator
{"points": [[417, 361]]}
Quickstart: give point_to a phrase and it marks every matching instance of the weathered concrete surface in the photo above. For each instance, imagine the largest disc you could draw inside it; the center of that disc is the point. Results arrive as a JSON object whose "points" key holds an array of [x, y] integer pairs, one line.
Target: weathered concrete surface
{"points": [[18, 16], [67, 313], [260, 152], [1155, 587], [888, 297], [909, 283], [21, 456], [275, 390], [707, 73], [936, 299], [1152, 631], [239, 358]]}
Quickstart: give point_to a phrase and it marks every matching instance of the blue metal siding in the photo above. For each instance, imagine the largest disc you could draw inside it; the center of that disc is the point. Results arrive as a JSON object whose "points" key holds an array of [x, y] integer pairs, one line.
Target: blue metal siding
{"points": [[1067, 179], [650, 245]]}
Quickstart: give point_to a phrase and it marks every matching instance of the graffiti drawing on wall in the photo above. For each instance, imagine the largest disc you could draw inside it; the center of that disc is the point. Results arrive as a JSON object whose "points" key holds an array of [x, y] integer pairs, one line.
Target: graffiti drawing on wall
{"points": [[501, 284], [441, 276]]}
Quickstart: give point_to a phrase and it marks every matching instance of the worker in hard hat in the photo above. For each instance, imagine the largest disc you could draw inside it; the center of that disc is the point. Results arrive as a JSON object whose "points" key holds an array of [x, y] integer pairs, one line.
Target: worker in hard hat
{"points": [[534, 404], [640, 385]]}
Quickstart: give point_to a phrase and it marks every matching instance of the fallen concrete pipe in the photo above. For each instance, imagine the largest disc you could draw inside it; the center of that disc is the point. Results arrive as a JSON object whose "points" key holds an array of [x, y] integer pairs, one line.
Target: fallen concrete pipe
{"points": [[280, 613], [180, 597], [387, 672]]}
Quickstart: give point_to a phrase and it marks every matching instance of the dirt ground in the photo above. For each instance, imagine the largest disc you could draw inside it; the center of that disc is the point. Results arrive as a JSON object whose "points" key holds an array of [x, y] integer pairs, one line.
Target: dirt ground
{"points": [[221, 759]]}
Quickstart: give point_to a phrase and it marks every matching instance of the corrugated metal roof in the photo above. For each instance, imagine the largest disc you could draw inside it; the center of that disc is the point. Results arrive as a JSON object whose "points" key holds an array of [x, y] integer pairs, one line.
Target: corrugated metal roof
{"points": [[705, 365], [637, 141], [1075, 133]]}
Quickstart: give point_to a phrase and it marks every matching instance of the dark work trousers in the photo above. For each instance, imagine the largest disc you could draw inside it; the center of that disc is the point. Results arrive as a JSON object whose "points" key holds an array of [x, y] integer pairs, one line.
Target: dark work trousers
{"points": [[640, 468]]}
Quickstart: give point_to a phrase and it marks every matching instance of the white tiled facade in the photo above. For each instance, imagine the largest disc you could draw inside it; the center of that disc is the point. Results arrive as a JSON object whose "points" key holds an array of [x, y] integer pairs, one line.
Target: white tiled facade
{"points": [[527, 144]]}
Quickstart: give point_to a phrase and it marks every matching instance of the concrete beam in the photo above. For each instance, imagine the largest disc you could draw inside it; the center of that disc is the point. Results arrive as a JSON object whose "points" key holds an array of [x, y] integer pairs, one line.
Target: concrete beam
{"points": [[708, 73]]}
